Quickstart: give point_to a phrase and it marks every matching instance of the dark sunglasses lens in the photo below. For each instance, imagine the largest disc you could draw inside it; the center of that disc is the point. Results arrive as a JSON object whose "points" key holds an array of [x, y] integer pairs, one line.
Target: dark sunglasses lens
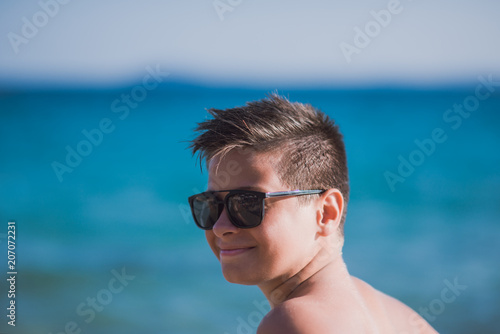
{"points": [[245, 210], [206, 210]]}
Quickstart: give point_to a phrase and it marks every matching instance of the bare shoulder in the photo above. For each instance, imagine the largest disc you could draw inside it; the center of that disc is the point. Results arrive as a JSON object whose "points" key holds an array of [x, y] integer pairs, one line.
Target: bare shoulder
{"points": [[404, 318], [301, 316], [289, 317], [362, 309], [398, 315]]}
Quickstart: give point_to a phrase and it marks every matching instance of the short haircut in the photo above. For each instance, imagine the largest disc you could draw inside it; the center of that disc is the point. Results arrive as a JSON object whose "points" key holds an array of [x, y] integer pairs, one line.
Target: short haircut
{"points": [[307, 143]]}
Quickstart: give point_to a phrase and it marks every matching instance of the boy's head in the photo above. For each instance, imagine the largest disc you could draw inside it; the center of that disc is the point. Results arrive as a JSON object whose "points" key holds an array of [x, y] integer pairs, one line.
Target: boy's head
{"points": [[306, 146], [254, 154]]}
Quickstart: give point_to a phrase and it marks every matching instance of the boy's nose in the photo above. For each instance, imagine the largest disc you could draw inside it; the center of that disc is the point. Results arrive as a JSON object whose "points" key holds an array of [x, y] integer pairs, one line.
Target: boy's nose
{"points": [[223, 225]]}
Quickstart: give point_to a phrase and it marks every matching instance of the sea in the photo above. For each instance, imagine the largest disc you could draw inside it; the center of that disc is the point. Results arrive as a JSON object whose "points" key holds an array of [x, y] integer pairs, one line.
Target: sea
{"points": [[96, 189]]}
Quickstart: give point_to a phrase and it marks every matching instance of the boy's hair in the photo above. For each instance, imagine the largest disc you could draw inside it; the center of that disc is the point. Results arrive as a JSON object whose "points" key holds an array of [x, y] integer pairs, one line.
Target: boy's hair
{"points": [[307, 144]]}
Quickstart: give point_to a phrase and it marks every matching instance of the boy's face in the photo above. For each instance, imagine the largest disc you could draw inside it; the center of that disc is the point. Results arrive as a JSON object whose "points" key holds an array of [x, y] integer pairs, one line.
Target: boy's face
{"points": [[281, 245]]}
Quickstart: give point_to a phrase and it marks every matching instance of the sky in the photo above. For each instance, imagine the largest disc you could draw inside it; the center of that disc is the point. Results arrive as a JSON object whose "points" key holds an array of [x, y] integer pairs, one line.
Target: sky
{"points": [[66, 43]]}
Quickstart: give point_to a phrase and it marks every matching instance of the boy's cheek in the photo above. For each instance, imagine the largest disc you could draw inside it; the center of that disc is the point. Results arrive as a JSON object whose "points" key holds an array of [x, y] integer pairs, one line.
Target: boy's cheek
{"points": [[209, 235]]}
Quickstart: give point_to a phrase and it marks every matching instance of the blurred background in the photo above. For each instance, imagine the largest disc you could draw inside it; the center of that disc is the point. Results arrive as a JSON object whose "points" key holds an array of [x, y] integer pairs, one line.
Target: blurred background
{"points": [[98, 101]]}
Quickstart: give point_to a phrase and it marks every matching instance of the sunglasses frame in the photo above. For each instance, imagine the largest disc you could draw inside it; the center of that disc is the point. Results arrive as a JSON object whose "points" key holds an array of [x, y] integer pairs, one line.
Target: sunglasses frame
{"points": [[261, 196]]}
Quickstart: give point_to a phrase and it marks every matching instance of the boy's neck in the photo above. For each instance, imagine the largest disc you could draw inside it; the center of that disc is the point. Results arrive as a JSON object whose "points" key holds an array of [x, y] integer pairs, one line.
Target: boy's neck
{"points": [[321, 265]]}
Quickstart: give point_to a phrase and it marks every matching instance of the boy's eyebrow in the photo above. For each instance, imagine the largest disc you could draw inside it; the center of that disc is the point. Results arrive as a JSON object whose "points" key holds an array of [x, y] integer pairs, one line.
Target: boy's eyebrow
{"points": [[251, 188], [255, 188]]}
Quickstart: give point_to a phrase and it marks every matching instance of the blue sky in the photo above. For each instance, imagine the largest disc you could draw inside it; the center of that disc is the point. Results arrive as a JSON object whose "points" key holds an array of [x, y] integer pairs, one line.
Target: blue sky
{"points": [[106, 44]]}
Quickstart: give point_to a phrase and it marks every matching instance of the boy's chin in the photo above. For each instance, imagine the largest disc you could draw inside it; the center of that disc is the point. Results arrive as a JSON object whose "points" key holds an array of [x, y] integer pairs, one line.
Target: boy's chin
{"points": [[239, 278]]}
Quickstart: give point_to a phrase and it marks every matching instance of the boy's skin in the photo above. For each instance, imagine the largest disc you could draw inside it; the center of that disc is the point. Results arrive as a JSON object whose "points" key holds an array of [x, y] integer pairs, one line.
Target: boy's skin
{"points": [[295, 258]]}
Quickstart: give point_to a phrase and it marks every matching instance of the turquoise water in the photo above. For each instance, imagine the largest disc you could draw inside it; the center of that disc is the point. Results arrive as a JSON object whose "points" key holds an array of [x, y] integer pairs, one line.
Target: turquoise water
{"points": [[123, 208]]}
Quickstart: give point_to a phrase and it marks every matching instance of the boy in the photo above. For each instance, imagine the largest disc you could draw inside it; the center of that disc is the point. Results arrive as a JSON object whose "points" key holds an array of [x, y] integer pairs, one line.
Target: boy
{"points": [[274, 214]]}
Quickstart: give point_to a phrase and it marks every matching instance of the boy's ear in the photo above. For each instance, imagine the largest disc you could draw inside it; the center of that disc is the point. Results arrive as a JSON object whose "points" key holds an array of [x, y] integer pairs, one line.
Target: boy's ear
{"points": [[330, 212]]}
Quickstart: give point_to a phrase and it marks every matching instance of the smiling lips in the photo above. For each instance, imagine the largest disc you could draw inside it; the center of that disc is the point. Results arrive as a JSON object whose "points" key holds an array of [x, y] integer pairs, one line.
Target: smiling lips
{"points": [[232, 251]]}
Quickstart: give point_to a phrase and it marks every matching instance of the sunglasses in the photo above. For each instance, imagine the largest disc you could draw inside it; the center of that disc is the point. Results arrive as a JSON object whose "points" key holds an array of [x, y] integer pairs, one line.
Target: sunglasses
{"points": [[245, 208]]}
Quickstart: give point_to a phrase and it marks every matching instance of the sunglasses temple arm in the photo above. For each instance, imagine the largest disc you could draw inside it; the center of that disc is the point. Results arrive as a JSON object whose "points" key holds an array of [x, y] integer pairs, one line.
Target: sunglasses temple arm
{"points": [[294, 193]]}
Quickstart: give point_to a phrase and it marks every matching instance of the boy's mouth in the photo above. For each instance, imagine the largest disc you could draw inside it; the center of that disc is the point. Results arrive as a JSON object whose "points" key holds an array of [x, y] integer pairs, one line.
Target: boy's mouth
{"points": [[232, 251]]}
